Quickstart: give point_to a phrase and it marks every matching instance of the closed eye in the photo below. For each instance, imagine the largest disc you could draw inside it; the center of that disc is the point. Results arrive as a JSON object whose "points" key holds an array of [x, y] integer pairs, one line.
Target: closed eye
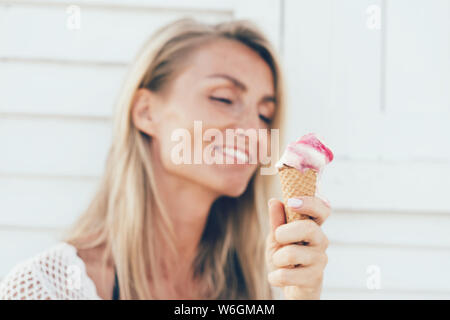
{"points": [[223, 100], [265, 119]]}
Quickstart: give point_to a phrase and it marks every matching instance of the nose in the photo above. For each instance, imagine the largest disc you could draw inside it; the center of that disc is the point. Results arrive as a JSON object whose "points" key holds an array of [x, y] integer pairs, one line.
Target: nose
{"points": [[247, 129], [249, 119]]}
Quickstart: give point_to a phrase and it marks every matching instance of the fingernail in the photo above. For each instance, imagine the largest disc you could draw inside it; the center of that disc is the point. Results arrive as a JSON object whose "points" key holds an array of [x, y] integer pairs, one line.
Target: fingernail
{"points": [[270, 202], [294, 203]]}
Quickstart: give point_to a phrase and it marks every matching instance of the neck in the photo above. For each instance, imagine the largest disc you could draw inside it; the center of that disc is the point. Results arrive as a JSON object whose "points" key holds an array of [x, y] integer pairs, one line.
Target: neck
{"points": [[188, 208], [188, 205]]}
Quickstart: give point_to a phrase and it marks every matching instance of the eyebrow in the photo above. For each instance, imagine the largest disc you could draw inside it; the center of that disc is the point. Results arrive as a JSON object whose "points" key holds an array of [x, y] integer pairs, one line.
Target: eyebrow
{"points": [[240, 85]]}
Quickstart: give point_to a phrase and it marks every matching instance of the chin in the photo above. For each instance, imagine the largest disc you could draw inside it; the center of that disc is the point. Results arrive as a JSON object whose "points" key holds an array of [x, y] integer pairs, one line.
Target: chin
{"points": [[234, 193], [233, 185], [230, 181]]}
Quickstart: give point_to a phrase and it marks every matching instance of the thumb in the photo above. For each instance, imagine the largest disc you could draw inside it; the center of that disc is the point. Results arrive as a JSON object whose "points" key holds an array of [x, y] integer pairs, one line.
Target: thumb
{"points": [[276, 213]]}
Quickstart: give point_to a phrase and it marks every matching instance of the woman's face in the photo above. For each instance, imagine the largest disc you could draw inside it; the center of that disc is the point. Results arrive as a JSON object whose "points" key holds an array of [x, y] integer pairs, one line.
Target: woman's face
{"points": [[224, 85]]}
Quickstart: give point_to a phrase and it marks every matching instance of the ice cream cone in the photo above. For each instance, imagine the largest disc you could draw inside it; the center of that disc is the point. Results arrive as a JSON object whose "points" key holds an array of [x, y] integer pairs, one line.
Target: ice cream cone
{"points": [[295, 183]]}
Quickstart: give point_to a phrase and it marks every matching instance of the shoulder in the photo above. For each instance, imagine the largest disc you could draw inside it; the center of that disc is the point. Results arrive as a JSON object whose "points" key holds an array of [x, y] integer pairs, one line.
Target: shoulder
{"points": [[55, 273]]}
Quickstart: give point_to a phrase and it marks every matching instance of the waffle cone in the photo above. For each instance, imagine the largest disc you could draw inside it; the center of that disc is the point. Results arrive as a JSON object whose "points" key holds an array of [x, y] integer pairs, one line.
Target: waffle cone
{"points": [[295, 183]]}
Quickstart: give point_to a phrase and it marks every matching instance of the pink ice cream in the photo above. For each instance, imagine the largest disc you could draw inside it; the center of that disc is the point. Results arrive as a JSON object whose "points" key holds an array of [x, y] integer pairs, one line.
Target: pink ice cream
{"points": [[306, 152]]}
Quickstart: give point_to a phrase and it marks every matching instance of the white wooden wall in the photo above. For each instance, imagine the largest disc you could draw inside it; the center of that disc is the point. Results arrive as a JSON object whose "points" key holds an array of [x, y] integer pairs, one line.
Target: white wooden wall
{"points": [[380, 98]]}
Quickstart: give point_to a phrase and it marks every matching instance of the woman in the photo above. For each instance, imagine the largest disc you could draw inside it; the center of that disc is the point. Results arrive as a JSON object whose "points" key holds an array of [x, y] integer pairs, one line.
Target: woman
{"points": [[166, 230]]}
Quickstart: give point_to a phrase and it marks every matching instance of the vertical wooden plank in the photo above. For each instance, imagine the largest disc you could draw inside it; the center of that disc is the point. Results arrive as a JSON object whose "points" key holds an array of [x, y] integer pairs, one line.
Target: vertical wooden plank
{"points": [[265, 13], [418, 56], [418, 83], [355, 56], [355, 78], [333, 63], [307, 33]]}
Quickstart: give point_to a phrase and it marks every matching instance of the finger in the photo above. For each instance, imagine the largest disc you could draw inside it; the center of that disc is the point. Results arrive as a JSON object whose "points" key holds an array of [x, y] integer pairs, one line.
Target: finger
{"points": [[292, 255], [325, 200], [309, 277], [277, 218], [276, 213], [314, 207], [301, 231]]}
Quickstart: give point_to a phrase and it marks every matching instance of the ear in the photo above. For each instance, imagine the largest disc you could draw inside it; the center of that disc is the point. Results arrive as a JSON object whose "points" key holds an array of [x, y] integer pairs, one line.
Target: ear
{"points": [[142, 111]]}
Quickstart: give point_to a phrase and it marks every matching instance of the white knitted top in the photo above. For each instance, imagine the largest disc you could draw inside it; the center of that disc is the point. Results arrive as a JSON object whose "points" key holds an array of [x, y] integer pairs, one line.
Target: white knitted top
{"points": [[57, 273]]}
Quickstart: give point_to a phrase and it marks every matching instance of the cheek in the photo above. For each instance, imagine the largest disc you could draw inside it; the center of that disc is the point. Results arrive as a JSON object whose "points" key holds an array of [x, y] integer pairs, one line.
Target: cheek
{"points": [[264, 150], [172, 131]]}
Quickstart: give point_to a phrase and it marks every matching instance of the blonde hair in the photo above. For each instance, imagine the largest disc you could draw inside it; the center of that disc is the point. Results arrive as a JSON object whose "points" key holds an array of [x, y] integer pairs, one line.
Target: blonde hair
{"points": [[231, 254]]}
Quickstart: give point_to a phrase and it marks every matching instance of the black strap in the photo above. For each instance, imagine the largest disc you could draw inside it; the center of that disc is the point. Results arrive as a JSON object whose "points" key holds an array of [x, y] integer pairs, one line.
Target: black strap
{"points": [[116, 287]]}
